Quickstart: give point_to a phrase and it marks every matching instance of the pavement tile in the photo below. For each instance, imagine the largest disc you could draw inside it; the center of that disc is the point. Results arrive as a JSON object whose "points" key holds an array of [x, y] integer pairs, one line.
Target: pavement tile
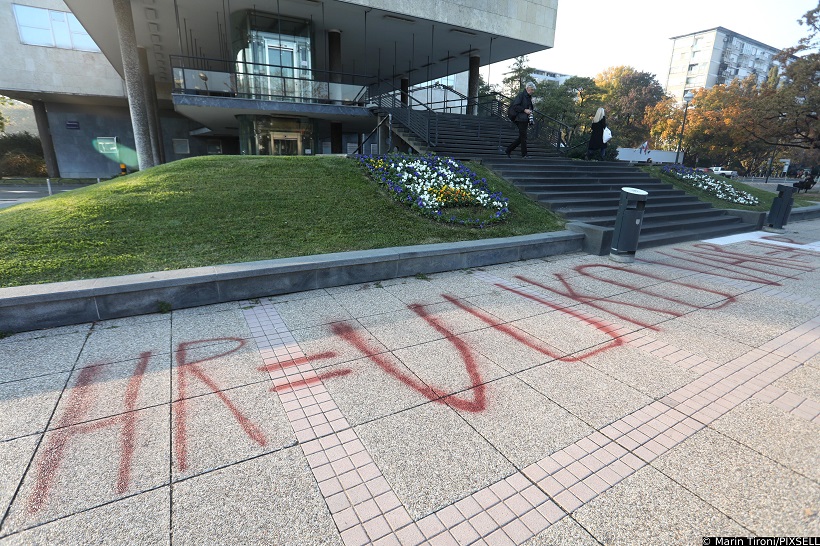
{"points": [[35, 356], [362, 300], [651, 375], [223, 428], [585, 392], [83, 466], [428, 290], [448, 367], [139, 519], [313, 311], [15, 456], [787, 439], [48, 332], [564, 332], [431, 457], [125, 340], [370, 392], [26, 405], [648, 507], [202, 368], [756, 492], [507, 306], [107, 390], [566, 532], [804, 381], [272, 498], [187, 327], [716, 348]]}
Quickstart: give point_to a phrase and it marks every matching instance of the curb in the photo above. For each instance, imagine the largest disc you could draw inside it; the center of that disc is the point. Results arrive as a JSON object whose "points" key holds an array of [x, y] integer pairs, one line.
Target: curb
{"points": [[38, 306]]}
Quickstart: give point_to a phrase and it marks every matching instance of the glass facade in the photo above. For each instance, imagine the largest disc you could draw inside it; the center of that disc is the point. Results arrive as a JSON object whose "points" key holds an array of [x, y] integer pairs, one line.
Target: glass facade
{"points": [[265, 135], [45, 27]]}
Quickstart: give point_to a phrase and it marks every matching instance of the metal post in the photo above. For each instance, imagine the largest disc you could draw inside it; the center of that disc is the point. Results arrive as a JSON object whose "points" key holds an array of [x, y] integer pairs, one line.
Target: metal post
{"points": [[48, 181]]}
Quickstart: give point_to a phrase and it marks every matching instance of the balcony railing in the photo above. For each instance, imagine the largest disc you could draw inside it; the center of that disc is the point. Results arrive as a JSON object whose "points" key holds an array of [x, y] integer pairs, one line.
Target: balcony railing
{"points": [[216, 77]]}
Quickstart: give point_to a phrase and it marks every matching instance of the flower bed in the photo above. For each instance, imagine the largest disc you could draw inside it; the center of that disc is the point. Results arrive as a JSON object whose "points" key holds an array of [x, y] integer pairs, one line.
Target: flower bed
{"points": [[439, 188], [712, 186]]}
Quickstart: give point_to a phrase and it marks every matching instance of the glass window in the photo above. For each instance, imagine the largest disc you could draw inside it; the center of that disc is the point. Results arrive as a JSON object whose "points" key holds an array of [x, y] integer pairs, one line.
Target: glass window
{"points": [[44, 27], [107, 145], [181, 146]]}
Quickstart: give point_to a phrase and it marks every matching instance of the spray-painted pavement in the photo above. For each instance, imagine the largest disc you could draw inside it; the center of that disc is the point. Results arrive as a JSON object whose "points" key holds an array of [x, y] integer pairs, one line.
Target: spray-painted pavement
{"points": [[570, 400]]}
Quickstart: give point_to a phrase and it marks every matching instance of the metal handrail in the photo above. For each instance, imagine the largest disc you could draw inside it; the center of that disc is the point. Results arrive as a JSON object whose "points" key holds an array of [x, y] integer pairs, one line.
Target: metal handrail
{"points": [[546, 130], [416, 116]]}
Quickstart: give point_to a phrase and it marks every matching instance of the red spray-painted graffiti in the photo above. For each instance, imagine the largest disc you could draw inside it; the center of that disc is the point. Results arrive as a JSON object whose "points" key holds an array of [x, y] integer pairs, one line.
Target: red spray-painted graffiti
{"points": [[83, 394], [79, 402], [706, 259]]}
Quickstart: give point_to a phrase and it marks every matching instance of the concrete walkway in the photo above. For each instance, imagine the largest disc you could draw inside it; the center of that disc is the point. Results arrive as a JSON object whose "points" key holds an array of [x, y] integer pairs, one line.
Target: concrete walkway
{"points": [[563, 400]]}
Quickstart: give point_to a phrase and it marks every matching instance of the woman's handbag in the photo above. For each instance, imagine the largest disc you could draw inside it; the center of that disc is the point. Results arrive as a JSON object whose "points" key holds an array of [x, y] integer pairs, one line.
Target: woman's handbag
{"points": [[607, 135]]}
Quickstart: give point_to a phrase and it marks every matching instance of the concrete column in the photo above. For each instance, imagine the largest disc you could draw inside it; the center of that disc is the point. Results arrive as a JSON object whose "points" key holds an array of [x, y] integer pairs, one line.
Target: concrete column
{"points": [[150, 92], [134, 83], [472, 86], [405, 91], [44, 130]]}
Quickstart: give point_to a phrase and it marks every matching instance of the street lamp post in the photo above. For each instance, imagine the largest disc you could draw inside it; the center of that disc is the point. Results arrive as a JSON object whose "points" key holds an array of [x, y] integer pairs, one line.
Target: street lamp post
{"points": [[687, 98]]}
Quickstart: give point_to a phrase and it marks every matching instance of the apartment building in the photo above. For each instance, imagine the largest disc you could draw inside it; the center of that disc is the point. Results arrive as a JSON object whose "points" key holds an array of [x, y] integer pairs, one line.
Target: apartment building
{"points": [[716, 56], [144, 82]]}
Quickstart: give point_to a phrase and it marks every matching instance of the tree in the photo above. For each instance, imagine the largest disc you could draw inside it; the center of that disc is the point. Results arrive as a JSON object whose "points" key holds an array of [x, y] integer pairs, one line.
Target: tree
{"points": [[627, 93], [518, 76], [786, 115]]}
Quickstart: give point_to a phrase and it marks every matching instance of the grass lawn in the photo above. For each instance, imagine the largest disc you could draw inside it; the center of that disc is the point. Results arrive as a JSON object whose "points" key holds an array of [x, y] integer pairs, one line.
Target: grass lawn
{"points": [[218, 210]]}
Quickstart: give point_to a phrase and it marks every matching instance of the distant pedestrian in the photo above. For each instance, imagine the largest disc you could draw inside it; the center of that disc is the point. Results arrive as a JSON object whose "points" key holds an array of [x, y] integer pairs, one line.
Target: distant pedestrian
{"points": [[596, 139], [521, 108], [644, 147]]}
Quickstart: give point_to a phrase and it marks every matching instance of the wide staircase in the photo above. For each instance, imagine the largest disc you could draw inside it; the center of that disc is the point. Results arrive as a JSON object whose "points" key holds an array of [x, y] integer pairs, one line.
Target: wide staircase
{"points": [[580, 191]]}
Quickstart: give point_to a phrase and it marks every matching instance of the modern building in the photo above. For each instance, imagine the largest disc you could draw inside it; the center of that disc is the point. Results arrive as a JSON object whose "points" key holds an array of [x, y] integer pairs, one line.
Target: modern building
{"points": [[716, 56], [145, 82], [540, 76]]}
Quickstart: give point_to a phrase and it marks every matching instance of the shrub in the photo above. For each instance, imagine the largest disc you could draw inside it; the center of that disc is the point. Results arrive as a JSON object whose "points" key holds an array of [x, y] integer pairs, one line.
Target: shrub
{"points": [[24, 165], [23, 143]]}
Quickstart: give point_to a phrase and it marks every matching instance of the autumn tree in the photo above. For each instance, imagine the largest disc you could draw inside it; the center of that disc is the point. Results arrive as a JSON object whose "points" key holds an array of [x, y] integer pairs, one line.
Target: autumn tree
{"points": [[627, 93]]}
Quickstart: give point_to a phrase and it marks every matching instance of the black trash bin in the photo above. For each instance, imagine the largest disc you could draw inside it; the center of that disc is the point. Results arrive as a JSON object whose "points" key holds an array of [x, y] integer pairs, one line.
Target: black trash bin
{"points": [[781, 208], [628, 225]]}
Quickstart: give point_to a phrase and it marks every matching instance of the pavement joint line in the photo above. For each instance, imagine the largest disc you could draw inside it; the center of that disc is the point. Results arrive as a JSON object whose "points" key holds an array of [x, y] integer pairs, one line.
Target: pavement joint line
{"points": [[565, 482]]}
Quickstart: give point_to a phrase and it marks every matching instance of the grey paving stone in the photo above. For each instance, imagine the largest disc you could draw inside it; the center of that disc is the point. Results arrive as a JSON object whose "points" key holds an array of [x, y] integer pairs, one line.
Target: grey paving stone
{"points": [[645, 373], [125, 340], [26, 405], [509, 352], [566, 532], [753, 490], [431, 457], [140, 519], [226, 427], [716, 348], [113, 389], [441, 365], [588, 394], [325, 348], [804, 381], [785, 438], [215, 365], [427, 289], [191, 327], [365, 300], [728, 323], [48, 332], [40, 356], [648, 507], [271, 499], [565, 332], [81, 467], [507, 306], [523, 424], [314, 311], [14, 458], [370, 392]]}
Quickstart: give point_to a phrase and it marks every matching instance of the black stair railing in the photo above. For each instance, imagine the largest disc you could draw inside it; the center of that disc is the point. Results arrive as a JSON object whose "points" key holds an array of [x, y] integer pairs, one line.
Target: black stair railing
{"points": [[546, 130], [415, 116]]}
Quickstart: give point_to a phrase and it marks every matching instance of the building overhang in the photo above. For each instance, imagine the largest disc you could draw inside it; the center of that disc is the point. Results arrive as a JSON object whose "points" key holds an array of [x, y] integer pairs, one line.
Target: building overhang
{"points": [[219, 114], [419, 40]]}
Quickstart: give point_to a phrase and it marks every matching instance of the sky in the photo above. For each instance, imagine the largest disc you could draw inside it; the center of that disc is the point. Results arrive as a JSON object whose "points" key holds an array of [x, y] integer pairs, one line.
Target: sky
{"points": [[592, 35]]}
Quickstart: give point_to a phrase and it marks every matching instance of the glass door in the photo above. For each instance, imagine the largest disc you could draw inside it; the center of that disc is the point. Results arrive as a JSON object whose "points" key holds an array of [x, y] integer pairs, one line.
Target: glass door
{"points": [[280, 60]]}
